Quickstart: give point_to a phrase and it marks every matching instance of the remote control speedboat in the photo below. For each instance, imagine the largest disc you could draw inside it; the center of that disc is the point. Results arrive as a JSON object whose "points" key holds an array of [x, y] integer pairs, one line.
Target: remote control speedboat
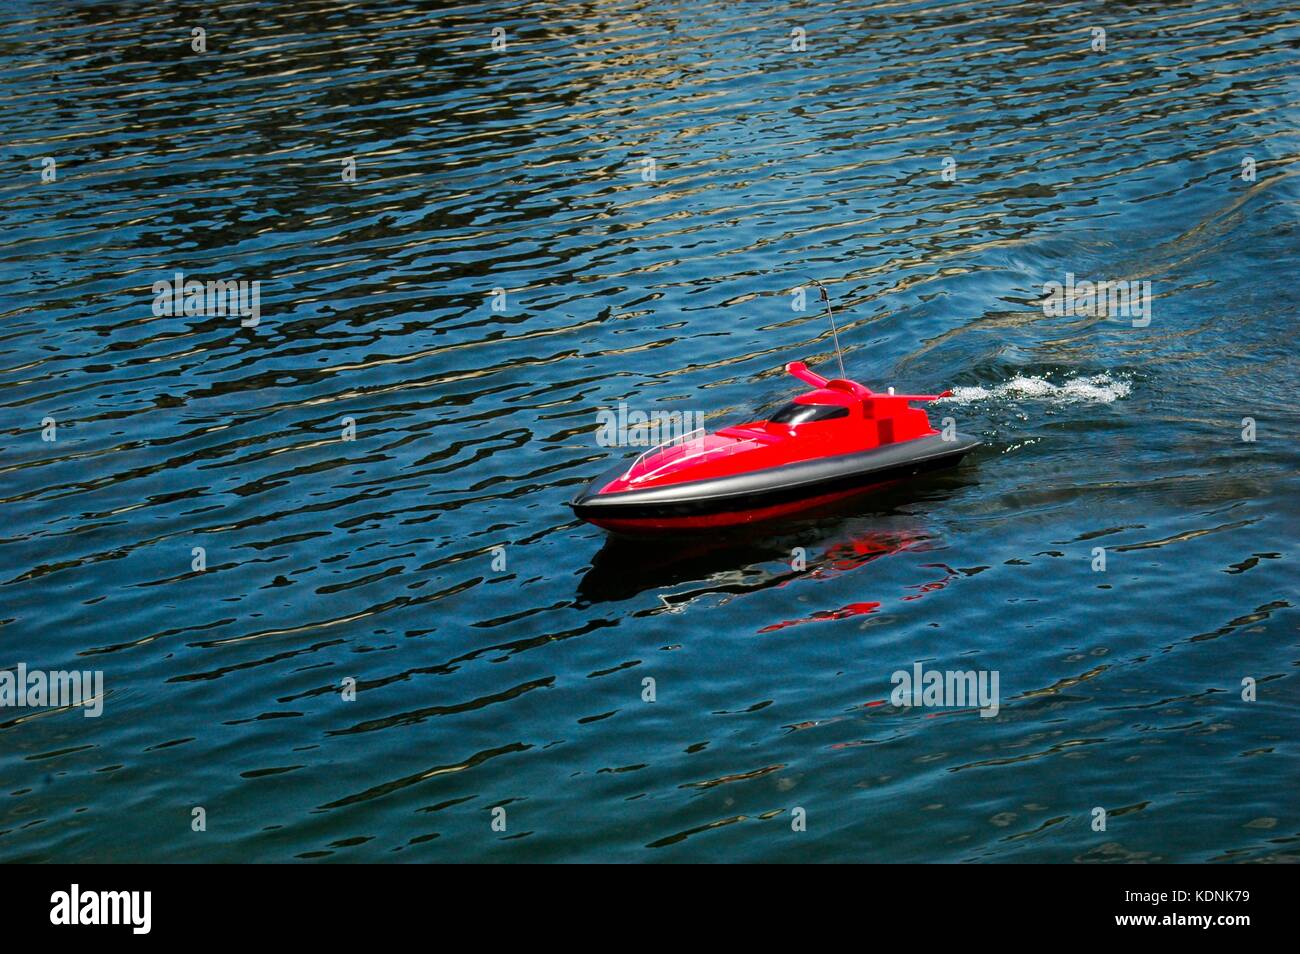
{"points": [[831, 442]]}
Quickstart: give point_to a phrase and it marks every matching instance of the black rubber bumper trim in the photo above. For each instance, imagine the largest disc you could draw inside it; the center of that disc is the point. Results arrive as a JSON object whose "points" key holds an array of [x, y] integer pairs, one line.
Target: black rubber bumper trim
{"points": [[770, 486]]}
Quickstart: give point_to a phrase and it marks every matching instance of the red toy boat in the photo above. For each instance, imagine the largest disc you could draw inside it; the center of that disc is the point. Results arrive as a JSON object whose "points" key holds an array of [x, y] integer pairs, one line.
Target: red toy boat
{"points": [[833, 441]]}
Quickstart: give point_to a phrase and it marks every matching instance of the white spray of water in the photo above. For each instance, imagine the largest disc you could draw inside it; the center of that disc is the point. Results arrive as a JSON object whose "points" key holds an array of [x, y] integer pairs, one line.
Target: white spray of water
{"points": [[1096, 389]]}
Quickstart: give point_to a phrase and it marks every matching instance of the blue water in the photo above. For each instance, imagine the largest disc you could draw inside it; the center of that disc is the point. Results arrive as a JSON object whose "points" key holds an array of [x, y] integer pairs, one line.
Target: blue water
{"points": [[515, 693]]}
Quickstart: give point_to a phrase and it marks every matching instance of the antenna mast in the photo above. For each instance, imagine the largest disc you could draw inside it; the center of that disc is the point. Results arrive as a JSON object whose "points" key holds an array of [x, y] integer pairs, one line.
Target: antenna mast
{"points": [[835, 332]]}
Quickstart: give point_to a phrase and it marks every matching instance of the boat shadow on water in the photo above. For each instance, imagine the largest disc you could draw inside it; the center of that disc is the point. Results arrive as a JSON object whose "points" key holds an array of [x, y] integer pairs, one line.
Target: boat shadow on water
{"points": [[833, 537]]}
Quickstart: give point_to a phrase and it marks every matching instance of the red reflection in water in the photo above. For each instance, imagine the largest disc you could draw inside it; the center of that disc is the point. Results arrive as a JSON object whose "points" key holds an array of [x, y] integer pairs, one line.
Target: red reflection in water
{"points": [[853, 609], [860, 551], [850, 555], [923, 588]]}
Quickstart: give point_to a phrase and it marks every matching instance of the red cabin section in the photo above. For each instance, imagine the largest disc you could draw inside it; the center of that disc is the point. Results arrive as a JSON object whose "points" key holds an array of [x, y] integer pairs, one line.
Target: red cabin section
{"points": [[837, 417]]}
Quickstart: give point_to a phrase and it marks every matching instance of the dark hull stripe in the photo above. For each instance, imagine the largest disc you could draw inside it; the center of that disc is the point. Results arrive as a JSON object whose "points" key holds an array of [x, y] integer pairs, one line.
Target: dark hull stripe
{"points": [[609, 507]]}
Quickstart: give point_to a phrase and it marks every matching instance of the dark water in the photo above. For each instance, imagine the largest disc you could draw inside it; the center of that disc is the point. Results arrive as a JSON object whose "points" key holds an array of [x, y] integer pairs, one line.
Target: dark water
{"points": [[521, 687]]}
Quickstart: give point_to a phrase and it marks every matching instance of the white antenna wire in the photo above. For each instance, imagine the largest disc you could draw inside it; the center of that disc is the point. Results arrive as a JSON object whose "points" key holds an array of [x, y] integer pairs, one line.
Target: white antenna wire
{"points": [[830, 313]]}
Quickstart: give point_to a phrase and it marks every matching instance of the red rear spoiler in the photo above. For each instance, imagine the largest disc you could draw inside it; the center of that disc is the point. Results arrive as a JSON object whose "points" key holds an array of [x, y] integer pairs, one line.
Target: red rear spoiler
{"points": [[801, 371], [918, 397]]}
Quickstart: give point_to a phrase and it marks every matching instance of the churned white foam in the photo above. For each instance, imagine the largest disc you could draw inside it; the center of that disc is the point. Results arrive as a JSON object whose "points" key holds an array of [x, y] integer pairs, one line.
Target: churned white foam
{"points": [[1096, 389]]}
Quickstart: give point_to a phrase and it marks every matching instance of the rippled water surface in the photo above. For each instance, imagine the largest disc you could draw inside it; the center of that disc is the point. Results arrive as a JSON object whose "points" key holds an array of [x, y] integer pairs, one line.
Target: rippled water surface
{"points": [[526, 169]]}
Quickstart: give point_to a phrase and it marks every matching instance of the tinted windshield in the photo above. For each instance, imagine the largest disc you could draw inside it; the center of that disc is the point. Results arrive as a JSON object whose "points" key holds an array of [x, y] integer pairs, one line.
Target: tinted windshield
{"points": [[793, 413]]}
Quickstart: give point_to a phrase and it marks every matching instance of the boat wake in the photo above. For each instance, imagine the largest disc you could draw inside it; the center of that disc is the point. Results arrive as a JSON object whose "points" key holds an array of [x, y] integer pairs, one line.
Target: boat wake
{"points": [[1094, 389]]}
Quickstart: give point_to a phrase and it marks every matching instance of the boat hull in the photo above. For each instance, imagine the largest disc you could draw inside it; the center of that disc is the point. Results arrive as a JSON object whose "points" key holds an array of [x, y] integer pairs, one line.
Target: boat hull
{"points": [[762, 494]]}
